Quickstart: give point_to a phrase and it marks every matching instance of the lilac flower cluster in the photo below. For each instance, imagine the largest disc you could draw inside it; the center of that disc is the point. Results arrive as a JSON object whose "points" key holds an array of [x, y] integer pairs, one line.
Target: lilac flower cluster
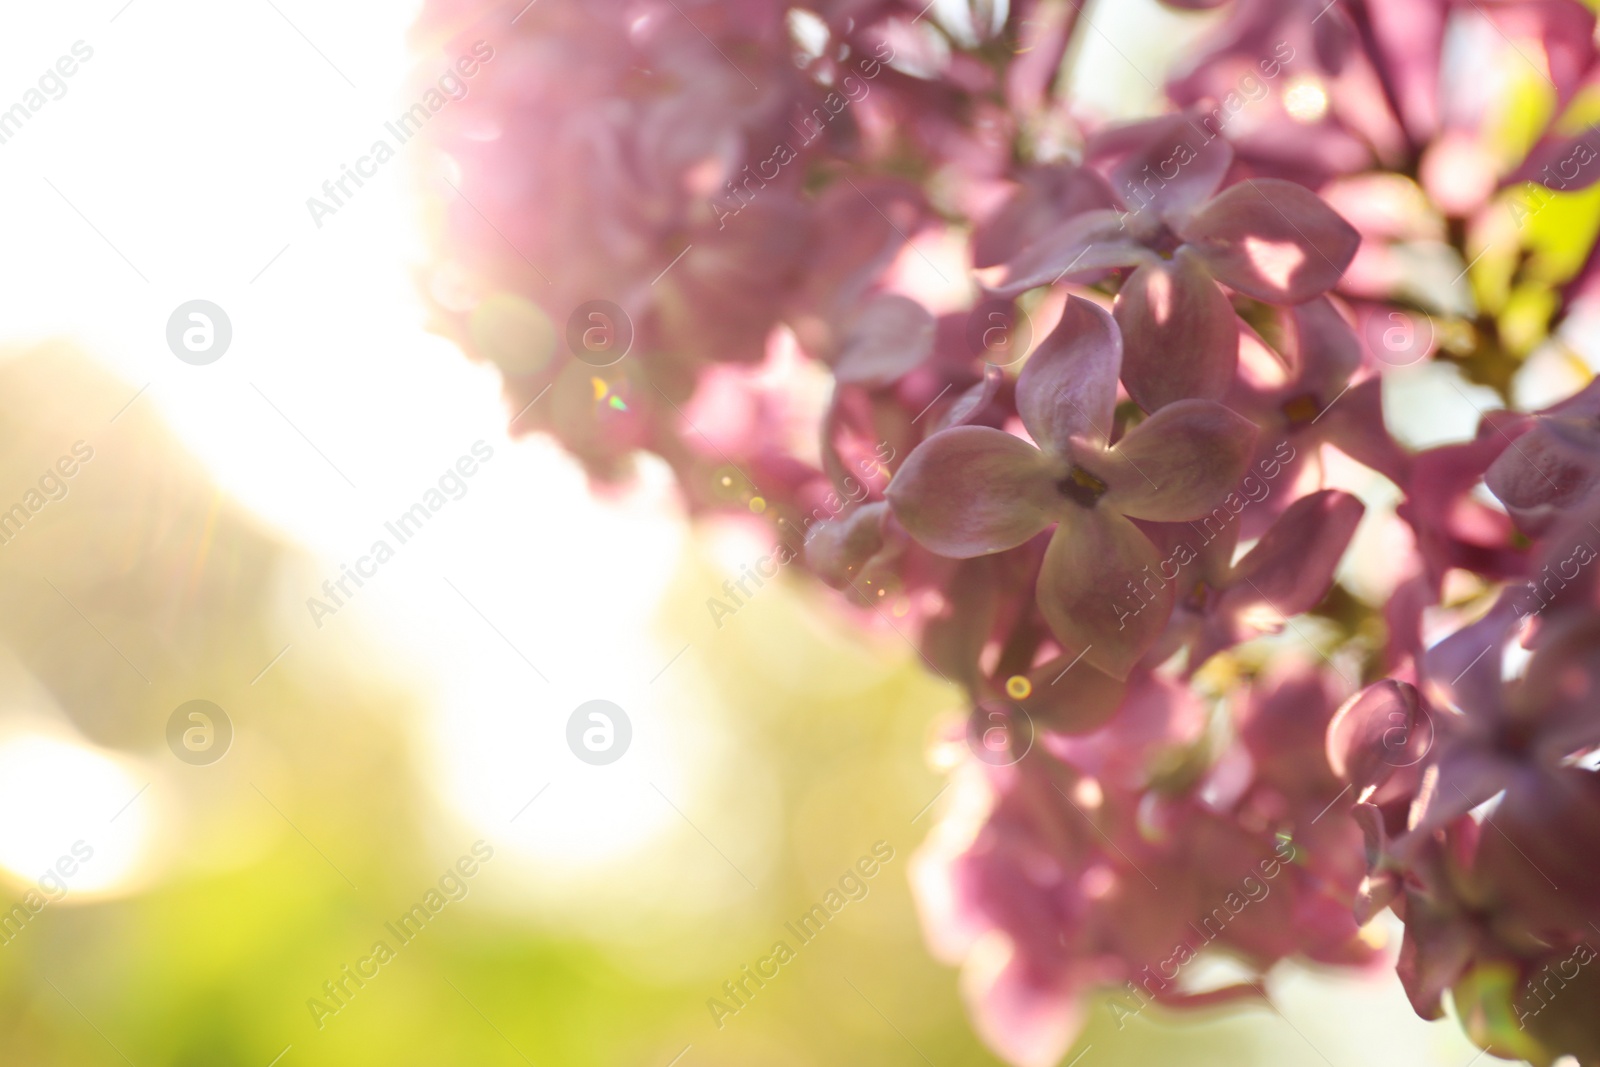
{"points": [[1125, 540]]}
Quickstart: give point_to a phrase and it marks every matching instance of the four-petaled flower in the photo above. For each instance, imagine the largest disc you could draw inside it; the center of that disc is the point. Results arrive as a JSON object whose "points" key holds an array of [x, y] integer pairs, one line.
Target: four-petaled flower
{"points": [[1266, 238], [974, 490]]}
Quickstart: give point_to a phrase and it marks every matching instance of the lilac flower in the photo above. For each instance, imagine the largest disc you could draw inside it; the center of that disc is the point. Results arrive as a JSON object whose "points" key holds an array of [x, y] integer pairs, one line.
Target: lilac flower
{"points": [[1268, 239], [769, 194], [1302, 398], [1096, 869], [1421, 763], [972, 490], [1220, 604]]}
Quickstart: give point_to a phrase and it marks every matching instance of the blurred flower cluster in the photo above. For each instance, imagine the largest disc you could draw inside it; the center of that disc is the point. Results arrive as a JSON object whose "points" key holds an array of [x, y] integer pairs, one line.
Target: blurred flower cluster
{"points": [[1132, 377]]}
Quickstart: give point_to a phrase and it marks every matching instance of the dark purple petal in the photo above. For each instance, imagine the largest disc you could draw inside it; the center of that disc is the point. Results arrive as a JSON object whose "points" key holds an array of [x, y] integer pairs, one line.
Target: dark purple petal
{"points": [[1273, 240], [1177, 464], [1068, 388], [973, 490], [1101, 592], [1179, 333]]}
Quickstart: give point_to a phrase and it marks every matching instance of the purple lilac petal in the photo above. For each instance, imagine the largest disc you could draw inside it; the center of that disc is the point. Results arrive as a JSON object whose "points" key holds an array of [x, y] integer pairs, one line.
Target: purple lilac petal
{"points": [[892, 335], [1179, 333], [1084, 248], [1168, 166], [972, 490], [1273, 240], [1376, 732], [1180, 462], [1068, 388], [1292, 566], [1095, 570]]}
